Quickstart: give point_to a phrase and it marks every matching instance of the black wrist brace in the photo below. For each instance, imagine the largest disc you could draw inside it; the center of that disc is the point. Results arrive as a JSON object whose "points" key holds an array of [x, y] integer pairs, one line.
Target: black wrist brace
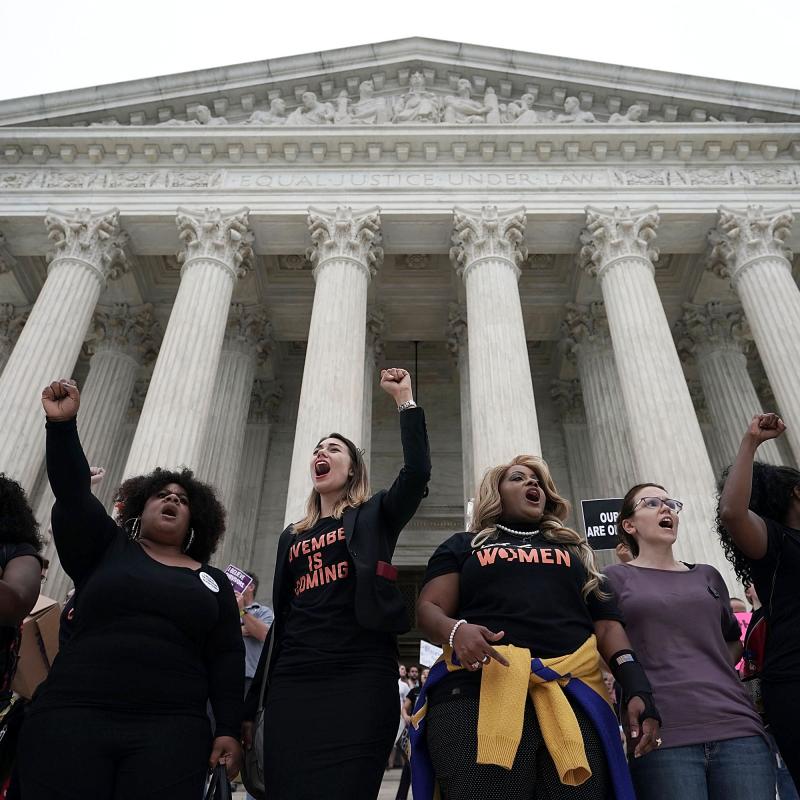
{"points": [[628, 673]]}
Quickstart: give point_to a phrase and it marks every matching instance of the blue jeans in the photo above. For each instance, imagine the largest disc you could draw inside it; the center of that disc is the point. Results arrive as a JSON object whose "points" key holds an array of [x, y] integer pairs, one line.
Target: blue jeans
{"points": [[731, 769]]}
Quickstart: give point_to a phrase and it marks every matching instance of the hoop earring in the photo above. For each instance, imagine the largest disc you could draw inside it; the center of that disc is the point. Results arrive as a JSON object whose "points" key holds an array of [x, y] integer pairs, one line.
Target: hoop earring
{"points": [[135, 532], [188, 544]]}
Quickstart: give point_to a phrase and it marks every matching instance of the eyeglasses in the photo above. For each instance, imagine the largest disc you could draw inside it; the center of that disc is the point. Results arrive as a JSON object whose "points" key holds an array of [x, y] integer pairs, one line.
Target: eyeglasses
{"points": [[657, 502]]}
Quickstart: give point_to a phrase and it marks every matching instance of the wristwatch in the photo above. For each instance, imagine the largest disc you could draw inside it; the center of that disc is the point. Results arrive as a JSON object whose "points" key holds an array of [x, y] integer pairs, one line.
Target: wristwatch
{"points": [[405, 406]]}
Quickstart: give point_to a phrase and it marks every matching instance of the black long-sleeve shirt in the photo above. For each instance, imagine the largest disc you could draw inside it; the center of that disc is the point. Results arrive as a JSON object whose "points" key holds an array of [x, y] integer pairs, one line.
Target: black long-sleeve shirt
{"points": [[148, 637]]}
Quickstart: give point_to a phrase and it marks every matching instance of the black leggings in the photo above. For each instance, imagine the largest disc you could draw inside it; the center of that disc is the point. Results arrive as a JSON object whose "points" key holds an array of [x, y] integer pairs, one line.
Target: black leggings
{"points": [[79, 753], [452, 735], [782, 707]]}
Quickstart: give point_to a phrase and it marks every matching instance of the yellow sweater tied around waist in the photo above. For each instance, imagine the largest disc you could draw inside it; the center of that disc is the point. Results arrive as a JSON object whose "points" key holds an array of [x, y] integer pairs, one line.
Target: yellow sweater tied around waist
{"points": [[501, 710]]}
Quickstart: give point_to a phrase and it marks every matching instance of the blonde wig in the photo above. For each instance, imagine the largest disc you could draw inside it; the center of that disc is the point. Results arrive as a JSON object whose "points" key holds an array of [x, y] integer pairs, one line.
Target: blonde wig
{"points": [[355, 492], [488, 510]]}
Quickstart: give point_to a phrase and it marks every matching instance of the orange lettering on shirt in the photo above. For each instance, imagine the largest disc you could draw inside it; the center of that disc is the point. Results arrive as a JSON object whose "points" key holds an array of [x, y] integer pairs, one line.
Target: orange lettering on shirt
{"points": [[486, 556], [547, 555], [528, 556], [562, 557]]}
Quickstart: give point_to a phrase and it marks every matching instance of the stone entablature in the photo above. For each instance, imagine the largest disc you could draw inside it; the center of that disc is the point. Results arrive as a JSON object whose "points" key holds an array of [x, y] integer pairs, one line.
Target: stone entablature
{"points": [[455, 144]]}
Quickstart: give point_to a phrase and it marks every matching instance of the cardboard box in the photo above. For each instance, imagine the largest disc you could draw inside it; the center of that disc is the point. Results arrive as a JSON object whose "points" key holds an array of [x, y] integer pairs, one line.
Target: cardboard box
{"points": [[38, 647]]}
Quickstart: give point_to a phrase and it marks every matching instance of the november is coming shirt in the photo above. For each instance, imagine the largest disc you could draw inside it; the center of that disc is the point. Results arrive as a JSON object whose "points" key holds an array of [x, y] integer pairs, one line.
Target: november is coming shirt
{"points": [[321, 627]]}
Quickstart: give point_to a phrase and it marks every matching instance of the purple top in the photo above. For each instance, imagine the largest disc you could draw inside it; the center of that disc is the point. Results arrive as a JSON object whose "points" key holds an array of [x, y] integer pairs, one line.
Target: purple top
{"points": [[678, 624]]}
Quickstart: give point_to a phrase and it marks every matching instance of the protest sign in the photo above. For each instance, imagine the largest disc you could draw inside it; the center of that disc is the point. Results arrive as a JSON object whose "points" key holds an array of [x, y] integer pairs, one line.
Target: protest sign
{"points": [[239, 579], [428, 653], [600, 522]]}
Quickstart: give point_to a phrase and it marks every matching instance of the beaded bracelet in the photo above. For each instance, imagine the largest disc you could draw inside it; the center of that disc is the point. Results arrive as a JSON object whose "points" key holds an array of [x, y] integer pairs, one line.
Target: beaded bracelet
{"points": [[453, 632]]}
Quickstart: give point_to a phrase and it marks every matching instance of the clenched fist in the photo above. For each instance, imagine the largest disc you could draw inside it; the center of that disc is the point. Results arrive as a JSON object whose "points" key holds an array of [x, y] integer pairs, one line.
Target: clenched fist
{"points": [[397, 383], [61, 400], [764, 427]]}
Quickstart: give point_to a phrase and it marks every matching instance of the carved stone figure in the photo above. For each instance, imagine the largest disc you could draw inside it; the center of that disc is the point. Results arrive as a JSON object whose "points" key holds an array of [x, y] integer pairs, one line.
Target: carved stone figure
{"points": [[491, 107], [573, 112], [203, 116], [527, 114], [275, 116], [461, 108], [311, 112], [369, 109], [633, 114], [341, 116], [418, 104]]}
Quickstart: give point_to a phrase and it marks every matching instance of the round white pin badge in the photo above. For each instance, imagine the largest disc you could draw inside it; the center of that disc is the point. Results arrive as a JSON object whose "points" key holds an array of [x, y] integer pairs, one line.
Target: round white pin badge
{"points": [[209, 582]]}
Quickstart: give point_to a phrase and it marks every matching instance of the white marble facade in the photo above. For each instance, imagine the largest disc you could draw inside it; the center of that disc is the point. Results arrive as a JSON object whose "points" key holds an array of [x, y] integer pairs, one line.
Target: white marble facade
{"points": [[575, 259]]}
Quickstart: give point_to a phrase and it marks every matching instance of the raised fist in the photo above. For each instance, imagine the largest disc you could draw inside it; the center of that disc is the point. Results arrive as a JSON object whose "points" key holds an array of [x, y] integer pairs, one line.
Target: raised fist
{"points": [[765, 426], [396, 382], [61, 400]]}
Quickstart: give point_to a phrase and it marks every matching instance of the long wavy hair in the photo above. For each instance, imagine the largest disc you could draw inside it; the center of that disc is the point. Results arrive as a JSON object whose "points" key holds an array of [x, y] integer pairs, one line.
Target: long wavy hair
{"points": [[488, 510], [356, 490], [627, 511], [770, 498]]}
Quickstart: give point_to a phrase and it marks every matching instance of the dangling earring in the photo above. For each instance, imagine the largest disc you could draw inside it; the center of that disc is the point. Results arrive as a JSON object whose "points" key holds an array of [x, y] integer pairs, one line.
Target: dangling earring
{"points": [[135, 532], [189, 541]]}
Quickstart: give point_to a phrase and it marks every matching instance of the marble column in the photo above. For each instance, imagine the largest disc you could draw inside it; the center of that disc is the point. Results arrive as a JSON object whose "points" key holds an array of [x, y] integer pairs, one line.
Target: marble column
{"points": [[580, 462], [345, 252], [587, 343], [12, 320], [487, 250], [713, 336], [373, 356], [121, 340], [247, 342], [88, 249], [666, 439], [264, 404], [749, 247], [172, 427], [458, 345], [710, 436]]}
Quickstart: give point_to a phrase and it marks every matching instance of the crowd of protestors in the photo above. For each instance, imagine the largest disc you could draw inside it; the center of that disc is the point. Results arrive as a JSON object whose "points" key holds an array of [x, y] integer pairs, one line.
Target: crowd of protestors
{"points": [[557, 681]]}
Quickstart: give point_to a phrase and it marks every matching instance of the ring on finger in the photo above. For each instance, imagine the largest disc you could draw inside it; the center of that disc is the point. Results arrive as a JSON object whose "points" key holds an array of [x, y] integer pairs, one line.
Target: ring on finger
{"points": [[658, 742], [476, 665], [484, 659]]}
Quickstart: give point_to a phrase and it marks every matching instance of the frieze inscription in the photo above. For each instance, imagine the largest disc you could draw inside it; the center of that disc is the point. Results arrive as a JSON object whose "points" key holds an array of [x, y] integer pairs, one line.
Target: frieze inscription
{"points": [[282, 180]]}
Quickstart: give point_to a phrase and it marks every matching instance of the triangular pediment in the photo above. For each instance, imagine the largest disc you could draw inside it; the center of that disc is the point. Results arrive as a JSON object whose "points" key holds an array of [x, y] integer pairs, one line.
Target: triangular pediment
{"points": [[409, 82]]}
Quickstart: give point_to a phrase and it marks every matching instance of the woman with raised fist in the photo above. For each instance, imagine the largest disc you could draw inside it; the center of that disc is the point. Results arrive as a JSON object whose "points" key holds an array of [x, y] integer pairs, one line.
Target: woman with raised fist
{"points": [[758, 522], [330, 659], [157, 636]]}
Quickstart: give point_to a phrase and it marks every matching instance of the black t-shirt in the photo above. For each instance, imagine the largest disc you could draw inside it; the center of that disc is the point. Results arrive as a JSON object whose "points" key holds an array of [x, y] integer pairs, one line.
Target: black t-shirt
{"points": [[321, 629], [529, 588], [147, 637], [782, 603]]}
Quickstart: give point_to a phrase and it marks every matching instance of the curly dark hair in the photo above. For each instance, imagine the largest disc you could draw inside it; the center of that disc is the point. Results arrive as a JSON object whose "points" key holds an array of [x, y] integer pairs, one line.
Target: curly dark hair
{"points": [[17, 523], [207, 514], [770, 498]]}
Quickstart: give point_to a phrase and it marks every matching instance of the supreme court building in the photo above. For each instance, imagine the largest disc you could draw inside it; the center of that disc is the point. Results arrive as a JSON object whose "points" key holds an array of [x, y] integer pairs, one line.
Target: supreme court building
{"points": [[574, 259]]}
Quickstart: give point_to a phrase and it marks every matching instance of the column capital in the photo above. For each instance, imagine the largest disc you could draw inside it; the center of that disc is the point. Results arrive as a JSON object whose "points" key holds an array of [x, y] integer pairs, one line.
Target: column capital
{"points": [[249, 331], [265, 400], [94, 239], [456, 331], [133, 331], [569, 398], [211, 235], [376, 326], [345, 235], [585, 326], [610, 236], [483, 234], [7, 261], [711, 326], [743, 237]]}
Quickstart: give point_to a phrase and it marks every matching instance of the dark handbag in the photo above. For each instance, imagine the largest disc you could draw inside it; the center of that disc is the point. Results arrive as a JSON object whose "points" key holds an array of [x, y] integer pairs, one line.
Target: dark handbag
{"points": [[218, 786], [253, 762]]}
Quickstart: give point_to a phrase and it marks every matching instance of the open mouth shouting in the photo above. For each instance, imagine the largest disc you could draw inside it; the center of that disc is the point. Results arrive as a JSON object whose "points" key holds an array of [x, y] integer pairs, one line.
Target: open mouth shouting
{"points": [[321, 468], [533, 495], [169, 512], [666, 522]]}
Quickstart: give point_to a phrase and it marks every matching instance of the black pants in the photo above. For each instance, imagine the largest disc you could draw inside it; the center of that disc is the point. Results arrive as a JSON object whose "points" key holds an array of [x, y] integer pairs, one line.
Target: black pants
{"points": [[452, 735], [782, 707], [76, 754], [328, 738]]}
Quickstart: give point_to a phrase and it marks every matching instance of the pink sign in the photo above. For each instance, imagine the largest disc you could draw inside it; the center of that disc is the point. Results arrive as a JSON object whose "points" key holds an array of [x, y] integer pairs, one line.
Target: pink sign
{"points": [[743, 618]]}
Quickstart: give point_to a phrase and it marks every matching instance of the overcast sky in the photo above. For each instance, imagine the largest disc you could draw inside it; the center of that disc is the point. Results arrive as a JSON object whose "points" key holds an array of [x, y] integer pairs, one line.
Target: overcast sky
{"points": [[48, 46]]}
